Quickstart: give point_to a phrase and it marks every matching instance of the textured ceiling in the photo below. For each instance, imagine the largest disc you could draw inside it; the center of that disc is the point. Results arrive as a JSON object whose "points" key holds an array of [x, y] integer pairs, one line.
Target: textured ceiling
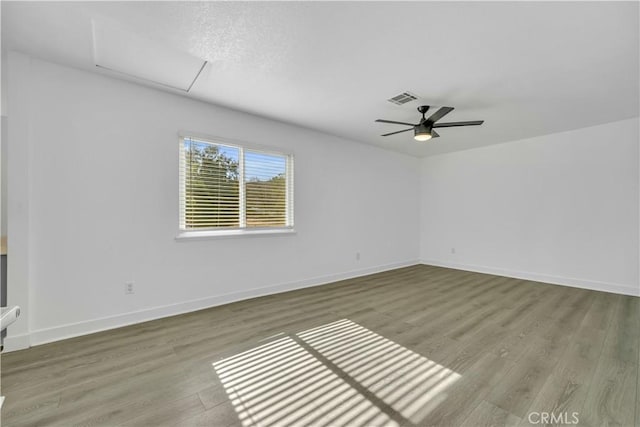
{"points": [[527, 69]]}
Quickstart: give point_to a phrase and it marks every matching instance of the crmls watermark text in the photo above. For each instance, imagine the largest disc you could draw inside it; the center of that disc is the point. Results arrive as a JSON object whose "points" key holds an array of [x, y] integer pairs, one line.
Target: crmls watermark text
{"points": [[552, 418]]}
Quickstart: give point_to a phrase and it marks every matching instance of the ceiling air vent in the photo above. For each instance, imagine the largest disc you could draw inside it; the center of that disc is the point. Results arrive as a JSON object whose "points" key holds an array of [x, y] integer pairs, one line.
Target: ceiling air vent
{"points": [[403, 98]]}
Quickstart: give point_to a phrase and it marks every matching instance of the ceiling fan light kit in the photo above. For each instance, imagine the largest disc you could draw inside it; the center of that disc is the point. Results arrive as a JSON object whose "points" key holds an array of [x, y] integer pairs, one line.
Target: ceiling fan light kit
{"points": [[424, 130]]}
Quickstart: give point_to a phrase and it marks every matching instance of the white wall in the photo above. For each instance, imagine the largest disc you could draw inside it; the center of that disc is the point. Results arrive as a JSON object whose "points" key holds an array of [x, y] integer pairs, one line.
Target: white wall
{"points": [[93, 203], [560, 208], [18, 196], [93, 181], [3, 144]]}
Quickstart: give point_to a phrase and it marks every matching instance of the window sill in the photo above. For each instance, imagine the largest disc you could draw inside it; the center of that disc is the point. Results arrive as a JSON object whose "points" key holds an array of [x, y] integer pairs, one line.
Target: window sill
{"points": [[222, 234]]}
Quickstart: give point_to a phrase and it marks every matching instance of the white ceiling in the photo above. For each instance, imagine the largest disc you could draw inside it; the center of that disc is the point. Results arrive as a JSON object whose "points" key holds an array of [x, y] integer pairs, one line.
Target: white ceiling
{"points": [[526, 68]]}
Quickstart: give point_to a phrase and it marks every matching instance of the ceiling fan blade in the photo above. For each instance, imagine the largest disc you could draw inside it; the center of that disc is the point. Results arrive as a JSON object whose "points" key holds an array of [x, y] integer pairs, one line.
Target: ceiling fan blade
{"points": [[400, 131], [454, 124], [434, 134], [443, 111], [395, 123]]}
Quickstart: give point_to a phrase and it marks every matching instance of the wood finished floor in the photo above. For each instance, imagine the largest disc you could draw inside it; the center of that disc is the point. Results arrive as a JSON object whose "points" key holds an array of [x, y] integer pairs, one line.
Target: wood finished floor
{"points": [[415, 346]]}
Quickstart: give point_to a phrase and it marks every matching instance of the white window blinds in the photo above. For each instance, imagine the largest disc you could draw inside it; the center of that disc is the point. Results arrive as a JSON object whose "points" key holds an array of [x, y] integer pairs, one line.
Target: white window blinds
{"points": [[230, 187]]}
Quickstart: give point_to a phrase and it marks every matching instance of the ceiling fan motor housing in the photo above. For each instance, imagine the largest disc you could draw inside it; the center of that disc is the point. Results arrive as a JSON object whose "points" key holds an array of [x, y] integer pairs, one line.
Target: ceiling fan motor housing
{"points": [[423, 127]]}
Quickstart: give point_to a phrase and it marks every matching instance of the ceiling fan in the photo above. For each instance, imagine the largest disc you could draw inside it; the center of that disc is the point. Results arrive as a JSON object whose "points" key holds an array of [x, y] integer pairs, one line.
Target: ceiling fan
{"points": [[424, 130]]}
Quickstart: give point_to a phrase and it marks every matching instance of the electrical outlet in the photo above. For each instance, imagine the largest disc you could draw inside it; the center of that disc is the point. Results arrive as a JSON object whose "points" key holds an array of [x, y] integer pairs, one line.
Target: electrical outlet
{"points": [[357, 256], [128, 288]]}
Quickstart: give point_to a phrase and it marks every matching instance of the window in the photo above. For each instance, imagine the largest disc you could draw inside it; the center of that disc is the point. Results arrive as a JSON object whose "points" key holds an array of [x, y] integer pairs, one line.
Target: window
{"points": [[229, 187]]}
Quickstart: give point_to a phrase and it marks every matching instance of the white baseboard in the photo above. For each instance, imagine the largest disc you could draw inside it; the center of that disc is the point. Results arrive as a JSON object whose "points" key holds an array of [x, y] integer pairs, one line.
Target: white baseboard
{"points": [[43, 336], [16, 342], [538, 277]]}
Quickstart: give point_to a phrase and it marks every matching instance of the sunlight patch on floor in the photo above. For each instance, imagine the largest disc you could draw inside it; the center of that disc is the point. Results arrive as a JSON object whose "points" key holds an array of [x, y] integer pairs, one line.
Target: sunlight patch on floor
{"points": [[340, 373]]}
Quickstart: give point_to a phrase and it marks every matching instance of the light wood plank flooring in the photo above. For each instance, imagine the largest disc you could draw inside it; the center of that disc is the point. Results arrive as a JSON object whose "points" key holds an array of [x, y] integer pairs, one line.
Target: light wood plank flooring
{"points": [[414, 346]]}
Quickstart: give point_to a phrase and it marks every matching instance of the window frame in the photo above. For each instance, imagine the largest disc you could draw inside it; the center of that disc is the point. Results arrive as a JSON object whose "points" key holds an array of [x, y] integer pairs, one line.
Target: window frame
{"points": [[242, 230]]}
